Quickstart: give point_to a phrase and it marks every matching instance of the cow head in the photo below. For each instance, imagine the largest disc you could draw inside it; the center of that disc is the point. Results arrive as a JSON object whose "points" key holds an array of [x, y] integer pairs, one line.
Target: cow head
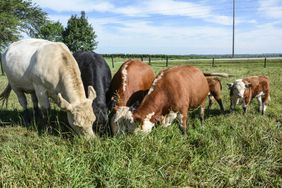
{"points": [[122, 121], [237, 90], [80, 116]]}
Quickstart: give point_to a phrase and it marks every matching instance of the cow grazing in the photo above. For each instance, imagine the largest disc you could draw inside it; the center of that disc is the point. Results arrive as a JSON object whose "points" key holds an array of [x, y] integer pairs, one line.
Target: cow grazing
{"points": [[43, 68], [174, 90], [96, 72], [249, 88], [215, 88], [130, 84]]}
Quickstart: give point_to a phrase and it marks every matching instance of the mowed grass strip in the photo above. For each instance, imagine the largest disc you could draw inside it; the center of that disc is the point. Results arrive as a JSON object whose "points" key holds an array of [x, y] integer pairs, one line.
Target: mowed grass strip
{"points": [[229, 150]]}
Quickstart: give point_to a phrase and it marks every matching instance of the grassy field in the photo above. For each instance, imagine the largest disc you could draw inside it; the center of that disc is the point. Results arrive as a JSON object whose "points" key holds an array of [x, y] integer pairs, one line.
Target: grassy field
{"points": [[231, 150]]}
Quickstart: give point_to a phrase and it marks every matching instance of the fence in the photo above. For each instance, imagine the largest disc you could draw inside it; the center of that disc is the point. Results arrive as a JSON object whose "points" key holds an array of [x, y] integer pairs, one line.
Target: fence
{"points": [[213, 62]]}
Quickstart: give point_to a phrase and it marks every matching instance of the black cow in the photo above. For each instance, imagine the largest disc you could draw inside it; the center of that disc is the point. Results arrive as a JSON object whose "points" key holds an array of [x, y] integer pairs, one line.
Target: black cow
{"points": [[96, 72]]}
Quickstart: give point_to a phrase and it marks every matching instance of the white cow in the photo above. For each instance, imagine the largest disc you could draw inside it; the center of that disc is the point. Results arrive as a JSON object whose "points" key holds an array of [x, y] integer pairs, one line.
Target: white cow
{"points": [[45, 68]]}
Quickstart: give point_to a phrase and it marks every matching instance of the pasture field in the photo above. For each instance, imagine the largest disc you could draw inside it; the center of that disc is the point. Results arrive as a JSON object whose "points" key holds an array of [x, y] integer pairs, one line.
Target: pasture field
{"points": [[230, 150]]}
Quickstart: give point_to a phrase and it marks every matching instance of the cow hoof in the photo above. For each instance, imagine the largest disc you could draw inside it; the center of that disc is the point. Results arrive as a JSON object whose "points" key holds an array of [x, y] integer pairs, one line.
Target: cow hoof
{"points": [[26, 118]]}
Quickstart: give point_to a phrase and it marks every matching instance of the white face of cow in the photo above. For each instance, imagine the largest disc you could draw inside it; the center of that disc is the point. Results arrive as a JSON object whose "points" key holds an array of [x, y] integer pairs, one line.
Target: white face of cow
{"points": [[81, 116], [147, 124], [122, 121], [237, 90]]}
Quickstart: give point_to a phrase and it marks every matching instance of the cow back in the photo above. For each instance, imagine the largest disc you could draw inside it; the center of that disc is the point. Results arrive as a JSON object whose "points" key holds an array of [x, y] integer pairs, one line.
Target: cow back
{"points": [[173, 89], [258, 84], [95, 72], [131, 82]]}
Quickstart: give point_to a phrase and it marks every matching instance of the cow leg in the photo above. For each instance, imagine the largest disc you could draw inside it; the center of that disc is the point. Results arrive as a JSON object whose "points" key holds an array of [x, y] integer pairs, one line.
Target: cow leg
{"points": [[44, 105], [35, 105], [183, 121], [233, 102], [246, 102], [202, 113], [244, 107], [260, 108], [43, 101], [219, 101], [210, 101], [263, 108], [23, 102], [264, 102]]}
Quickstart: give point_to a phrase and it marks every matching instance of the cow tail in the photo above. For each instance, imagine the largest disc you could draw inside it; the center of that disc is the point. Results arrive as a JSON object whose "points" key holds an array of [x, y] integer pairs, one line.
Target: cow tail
{"points": [[4, 96], [218, 74]]}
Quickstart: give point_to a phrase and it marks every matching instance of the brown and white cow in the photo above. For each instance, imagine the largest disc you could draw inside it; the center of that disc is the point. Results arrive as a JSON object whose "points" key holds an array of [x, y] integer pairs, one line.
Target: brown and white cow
{"points": [[174, 90], [130, 84], [215, 91], [249, 88]]}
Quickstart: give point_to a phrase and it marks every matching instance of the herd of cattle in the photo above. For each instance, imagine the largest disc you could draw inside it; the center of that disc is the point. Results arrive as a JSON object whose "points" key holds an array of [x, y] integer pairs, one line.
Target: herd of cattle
{"points": [[81, 84]]}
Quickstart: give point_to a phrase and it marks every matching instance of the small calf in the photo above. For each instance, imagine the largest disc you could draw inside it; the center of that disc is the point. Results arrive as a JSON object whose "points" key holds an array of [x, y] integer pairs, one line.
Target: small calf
{"points": [[215, 91], [249, 88]]}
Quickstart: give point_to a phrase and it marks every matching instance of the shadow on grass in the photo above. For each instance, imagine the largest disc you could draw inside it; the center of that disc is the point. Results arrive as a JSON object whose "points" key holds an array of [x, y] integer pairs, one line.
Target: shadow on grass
{"points": [[56, 126]]}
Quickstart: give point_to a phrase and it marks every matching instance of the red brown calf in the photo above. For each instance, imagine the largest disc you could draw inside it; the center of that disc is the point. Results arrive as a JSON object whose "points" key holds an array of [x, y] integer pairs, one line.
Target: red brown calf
{"points": [[174, 90], [130, 84], [249, 88]]}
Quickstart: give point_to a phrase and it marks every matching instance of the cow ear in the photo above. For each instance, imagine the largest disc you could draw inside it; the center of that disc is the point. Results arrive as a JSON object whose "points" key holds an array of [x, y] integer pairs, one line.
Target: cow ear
{"points": [[230, 85], [63, 104], [248, 85], [91, 93]]}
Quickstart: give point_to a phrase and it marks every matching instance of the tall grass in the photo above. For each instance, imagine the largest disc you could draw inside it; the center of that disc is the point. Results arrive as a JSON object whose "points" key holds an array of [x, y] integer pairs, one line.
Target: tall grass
{"points": [[230, 150]]}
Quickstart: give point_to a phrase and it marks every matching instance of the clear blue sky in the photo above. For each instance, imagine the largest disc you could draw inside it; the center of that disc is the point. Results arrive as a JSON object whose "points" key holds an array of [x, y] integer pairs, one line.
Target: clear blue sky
{"points": [[177, 26]]}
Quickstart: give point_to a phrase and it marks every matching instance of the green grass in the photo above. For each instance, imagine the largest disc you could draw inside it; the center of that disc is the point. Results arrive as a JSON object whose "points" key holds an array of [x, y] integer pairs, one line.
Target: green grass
{"points": [[230, 150]]}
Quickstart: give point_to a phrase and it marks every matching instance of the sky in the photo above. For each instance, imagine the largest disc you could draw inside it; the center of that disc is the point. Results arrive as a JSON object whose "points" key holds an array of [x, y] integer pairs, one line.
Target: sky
{"points": [[179, 27]]}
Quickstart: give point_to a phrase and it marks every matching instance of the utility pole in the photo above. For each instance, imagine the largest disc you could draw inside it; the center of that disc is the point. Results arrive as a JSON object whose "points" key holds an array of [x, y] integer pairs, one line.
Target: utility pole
{"points": [[233, 37]]}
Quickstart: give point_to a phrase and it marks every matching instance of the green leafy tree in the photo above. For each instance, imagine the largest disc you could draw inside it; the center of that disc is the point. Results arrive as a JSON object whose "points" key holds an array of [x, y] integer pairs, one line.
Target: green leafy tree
{"points": [[18, 17], [79, 35], [52, 31]]}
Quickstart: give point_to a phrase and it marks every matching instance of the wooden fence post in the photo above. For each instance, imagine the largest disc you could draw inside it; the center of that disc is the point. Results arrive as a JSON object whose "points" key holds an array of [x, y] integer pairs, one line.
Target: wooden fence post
{"points": [[166, 61], [264, 63], [141, 58], [213, 62], [149, 60], [113, 65]]}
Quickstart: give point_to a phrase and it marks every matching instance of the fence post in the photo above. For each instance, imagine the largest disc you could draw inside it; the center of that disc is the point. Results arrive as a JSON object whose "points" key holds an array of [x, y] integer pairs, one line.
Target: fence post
{"points": [[166, 61], [113, 65], [213, 62], [141, 58], [264, 63], [149, 60]]}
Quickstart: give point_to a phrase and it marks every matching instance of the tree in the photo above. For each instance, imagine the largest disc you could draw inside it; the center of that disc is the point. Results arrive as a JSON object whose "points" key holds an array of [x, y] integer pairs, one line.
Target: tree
{"points": [[52, 31], [18, 17], [79, 34]]}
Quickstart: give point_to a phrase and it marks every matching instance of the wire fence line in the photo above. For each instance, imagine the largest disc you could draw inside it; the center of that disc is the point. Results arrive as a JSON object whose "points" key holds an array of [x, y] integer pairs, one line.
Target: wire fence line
{"points": [[166, 61]]}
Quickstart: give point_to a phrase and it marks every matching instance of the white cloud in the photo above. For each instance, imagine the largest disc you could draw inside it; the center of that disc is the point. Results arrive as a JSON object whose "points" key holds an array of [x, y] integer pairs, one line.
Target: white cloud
{"points": [[143, 8], [260, 40], [271, 8], [75, 5]]}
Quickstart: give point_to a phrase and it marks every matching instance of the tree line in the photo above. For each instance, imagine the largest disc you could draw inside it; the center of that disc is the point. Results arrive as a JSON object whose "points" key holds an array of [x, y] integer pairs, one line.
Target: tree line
{"points": [[22, 17]]}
